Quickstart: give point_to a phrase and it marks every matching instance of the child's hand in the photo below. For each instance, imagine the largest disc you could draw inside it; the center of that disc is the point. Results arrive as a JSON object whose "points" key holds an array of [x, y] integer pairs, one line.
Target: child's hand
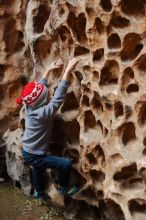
{"points": [[55, 65], [72, 64], [70, 67]]}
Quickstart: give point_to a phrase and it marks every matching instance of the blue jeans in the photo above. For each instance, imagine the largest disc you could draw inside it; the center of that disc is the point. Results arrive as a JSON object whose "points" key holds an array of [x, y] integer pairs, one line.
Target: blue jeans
{"points": [[41, 162]]}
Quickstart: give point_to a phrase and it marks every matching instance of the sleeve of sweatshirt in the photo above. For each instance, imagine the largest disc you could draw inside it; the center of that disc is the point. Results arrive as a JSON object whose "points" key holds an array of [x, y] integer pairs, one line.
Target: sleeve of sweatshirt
{"points": [[47, 111], [43, 81]]}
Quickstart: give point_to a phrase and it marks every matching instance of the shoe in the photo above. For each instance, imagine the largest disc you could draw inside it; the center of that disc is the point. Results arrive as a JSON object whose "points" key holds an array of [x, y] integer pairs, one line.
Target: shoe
{"points": [[43, 197], [69, 190], [73, 190], [63, 190]]}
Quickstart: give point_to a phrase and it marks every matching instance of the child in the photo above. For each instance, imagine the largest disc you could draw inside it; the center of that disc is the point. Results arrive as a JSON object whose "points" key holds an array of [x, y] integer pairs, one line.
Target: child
{"points": [[38, 127]]}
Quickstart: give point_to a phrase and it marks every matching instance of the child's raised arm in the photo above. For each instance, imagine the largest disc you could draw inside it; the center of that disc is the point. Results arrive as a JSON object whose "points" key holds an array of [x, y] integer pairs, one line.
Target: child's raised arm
{"points": [[47, 111]]}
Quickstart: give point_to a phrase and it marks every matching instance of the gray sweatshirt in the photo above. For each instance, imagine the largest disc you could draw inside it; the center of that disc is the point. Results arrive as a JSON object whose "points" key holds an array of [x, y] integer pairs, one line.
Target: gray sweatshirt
{"points": [[38, 122]]}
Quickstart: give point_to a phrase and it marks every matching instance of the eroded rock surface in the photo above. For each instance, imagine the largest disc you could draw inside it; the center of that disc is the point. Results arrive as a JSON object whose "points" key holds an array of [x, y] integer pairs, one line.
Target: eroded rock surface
{"points": [[102, 123]]}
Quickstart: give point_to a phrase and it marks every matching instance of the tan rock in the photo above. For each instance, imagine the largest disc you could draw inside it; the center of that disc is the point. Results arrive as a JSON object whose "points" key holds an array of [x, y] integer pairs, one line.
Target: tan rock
{"points": [[103, 119]]}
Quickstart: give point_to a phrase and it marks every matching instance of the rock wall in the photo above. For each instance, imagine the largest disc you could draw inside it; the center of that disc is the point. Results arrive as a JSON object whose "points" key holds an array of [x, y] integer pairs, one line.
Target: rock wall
{"points": [[102, 122]]}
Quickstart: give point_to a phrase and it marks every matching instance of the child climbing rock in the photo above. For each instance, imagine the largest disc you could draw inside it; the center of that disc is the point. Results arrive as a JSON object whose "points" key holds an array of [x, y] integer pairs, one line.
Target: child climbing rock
{"points": [[38, 127]]}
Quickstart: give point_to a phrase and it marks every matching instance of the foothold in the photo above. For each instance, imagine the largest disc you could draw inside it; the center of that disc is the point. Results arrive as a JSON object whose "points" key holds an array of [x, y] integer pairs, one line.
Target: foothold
{"points": [[109, 73], [71, 103], [40, 16], [2, 71], [78, 26], [127, 132], [89, 120], [106, 5], [114, 41], [98, 54], [99, 25], [118, 108], [131, 46], [133, 8], [118, 21]]}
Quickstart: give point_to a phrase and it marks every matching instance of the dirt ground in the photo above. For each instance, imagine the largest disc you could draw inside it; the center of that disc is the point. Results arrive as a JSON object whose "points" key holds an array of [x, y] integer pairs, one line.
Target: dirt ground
{"points": [[14, 205]]}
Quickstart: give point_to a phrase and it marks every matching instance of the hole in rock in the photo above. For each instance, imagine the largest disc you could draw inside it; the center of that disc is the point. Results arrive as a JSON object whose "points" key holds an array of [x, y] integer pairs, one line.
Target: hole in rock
{"points": [[144, 151], [98, 54], [85, 100], [95, 75], [2, 94], [23, 80], [117, 158], [137, 206], [42, 47], [7, 2], [81, 180], [106, 5], [128, 73], [71, 20], [71, 130], [141, 62], [142, 173], [142, 114], [64, 33], [22, 122], [109, 73], [132, 183], [96, 104], [133, 8], [114, 41], [132, 88], [40, 16], [91, 158], [87, 68], [131, 46], [100, 194], [89, 193], [70, 103], [58, 139], [110, 210], [98, 152], [20, 35], [81, 51], [119, 22], [100, 125], [12, 88], [12, 37], [78, 25], [61, 11], [99, 26], [135, 180], [85, 210], [108, 105], [89, 120], [90, 11], [128, 111], [105, 131], [79, 76], [81, 27], [128, 132], [97, 176], [126, 173], [118, 109], [73, 154], [144, 141], [2, 72]]}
